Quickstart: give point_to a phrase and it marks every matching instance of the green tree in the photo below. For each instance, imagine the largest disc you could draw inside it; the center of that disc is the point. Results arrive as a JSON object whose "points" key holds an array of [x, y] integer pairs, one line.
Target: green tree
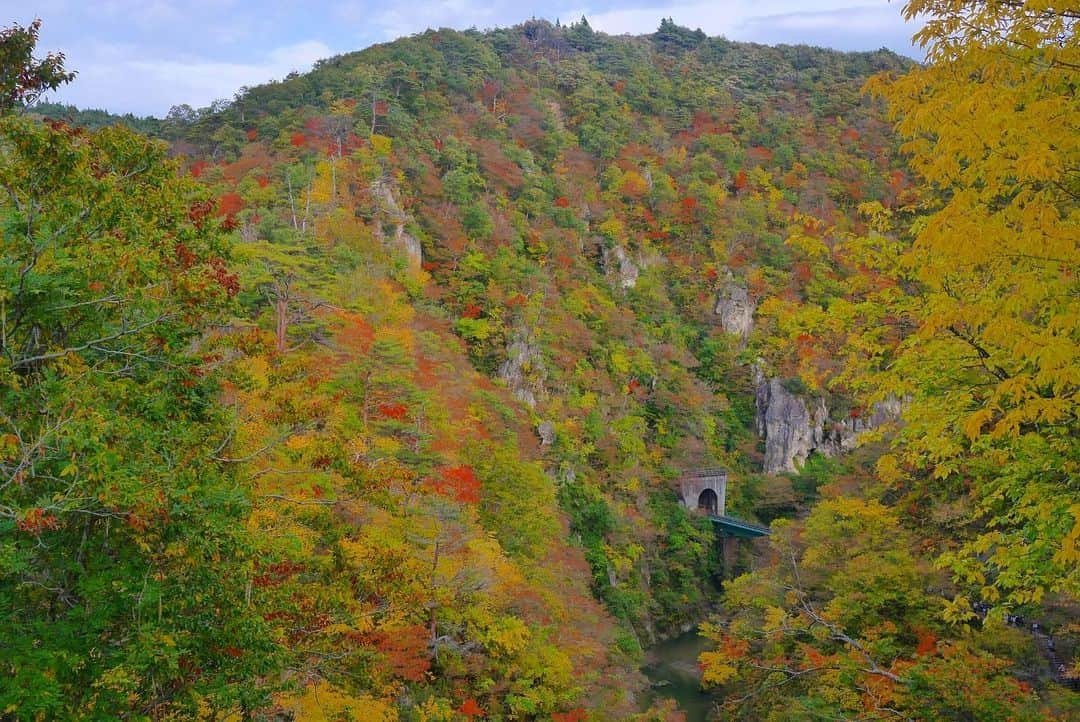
{"points": [[123, 555], [23, 78]]}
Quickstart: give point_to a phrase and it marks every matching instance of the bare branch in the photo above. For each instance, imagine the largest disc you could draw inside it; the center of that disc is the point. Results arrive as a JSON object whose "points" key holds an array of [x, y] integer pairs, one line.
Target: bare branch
{"points": [[30, 360]]}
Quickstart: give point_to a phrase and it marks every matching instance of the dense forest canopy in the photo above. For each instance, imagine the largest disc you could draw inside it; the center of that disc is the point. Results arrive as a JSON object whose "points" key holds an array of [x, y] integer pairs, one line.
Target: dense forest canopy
{"points": [[366, 394]]}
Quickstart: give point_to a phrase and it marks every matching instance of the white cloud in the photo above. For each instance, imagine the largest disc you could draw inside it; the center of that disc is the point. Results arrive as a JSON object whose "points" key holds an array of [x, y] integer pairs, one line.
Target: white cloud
{"points": [[734, 17], [107, 79], [645, 20], [397, 20], [152, 14], [860, 18]]}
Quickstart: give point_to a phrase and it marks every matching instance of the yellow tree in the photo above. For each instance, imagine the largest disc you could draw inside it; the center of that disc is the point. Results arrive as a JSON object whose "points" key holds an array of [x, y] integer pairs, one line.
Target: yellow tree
{"points": [[969, 313], [989, 287], [842, 626]]}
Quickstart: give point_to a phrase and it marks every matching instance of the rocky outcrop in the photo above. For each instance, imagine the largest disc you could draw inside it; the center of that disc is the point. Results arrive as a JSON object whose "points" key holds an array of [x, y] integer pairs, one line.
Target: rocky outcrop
{"points": [[617, 263], [410, 244], [387, 213], [881, 413], [735, 308], [546, 431], [791, 432], [793, 427], [523, 371]]}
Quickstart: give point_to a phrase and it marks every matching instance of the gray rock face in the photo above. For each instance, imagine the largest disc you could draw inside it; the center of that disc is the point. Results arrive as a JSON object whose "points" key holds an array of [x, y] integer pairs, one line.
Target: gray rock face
{"points": [[383, 194], [410, 244], [736, 309], [523, 371], [389, 212], [791, 432], [881, 413], [617, 263], [546, 431], [646, 173], [792, 428]]}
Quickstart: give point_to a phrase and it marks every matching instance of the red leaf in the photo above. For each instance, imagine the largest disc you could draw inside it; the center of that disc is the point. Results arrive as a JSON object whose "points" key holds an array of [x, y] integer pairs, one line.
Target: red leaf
{"points": [[470, 708], [927, 642], [460, 484], [36, 521], [184, 255], [760, 153], [229, 204], [406, 650], [393, 411]]}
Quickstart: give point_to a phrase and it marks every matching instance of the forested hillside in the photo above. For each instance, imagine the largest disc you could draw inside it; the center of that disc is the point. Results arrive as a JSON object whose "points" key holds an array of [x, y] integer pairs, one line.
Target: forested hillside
{"points": [[365, 395]]}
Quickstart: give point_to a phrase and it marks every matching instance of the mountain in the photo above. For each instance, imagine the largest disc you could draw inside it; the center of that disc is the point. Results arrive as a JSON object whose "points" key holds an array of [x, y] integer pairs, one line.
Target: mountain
{"points": [[482, 299], [564, 207]]}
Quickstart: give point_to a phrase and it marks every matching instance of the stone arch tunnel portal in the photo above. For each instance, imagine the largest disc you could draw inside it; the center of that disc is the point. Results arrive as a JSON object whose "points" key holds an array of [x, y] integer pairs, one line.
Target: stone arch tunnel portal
{"points": [[709, 502], [705, 491]]}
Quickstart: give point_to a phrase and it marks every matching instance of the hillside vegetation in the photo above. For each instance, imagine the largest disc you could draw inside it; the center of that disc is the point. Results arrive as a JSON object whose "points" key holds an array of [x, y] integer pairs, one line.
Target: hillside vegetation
{"points": [[365, 394]]}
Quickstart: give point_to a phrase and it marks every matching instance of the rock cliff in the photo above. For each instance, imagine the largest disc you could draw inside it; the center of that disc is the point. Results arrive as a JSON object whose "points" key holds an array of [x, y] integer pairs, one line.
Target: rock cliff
{"points": [[523, 371], [617, 263], [388, 212], [793, 427], [735, 308]]}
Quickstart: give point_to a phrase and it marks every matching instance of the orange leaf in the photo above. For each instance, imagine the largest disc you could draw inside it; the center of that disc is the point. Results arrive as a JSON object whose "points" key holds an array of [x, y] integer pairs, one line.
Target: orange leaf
{"points": [[470, 708]]}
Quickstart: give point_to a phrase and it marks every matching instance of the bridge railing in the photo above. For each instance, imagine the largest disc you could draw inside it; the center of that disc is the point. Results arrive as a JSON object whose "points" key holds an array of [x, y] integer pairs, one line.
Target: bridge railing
{"points": [[732, 524]]}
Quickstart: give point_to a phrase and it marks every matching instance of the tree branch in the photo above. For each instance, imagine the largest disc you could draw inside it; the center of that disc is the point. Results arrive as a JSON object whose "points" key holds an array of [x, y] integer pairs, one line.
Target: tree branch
{"points": [[30, 360]]}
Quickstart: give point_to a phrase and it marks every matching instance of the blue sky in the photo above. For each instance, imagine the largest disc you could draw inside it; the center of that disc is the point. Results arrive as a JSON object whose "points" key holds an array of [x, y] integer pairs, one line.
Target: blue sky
{"points": [[144, 56]]}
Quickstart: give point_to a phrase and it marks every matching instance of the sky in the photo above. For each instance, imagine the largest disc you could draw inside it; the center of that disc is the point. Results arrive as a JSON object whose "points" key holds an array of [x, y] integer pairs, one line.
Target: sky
{"points": [[144, 56]]}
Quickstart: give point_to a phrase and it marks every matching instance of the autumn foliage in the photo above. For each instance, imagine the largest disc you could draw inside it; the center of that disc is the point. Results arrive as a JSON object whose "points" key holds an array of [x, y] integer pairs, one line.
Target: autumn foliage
{"points": [[460, 484], [378, 411]]}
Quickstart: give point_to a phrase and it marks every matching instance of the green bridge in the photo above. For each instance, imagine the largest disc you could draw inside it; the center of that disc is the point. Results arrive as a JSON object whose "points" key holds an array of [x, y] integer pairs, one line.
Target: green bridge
{"points": [[732, 527], [704, 490]]}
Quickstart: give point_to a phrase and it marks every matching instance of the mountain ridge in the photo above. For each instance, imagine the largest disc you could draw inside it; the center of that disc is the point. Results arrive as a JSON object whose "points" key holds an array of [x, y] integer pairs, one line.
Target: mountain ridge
{"points": [[448, 319]]}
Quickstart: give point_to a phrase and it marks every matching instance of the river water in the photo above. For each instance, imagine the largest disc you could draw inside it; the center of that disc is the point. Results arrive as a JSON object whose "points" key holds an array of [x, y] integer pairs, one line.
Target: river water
{"points": [[672, 667]]}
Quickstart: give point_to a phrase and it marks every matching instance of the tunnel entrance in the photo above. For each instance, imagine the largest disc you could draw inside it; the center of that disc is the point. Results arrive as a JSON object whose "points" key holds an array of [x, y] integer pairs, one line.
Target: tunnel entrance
{"points": [[708, 502]]}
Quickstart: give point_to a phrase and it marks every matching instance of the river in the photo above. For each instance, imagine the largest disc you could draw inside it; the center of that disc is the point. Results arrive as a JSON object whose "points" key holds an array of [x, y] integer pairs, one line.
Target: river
{"points": [[672, 667]]}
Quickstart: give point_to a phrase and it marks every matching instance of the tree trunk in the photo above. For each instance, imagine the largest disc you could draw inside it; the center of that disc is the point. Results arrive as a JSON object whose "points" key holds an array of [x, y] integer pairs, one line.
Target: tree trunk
{"points": [[282, 308], [292, 199]]}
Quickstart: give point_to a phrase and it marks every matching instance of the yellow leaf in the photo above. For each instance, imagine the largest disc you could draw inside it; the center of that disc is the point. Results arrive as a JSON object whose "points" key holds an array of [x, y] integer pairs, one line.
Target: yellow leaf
{"points": [[888, 469], [715, 670], [974, 424]]}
